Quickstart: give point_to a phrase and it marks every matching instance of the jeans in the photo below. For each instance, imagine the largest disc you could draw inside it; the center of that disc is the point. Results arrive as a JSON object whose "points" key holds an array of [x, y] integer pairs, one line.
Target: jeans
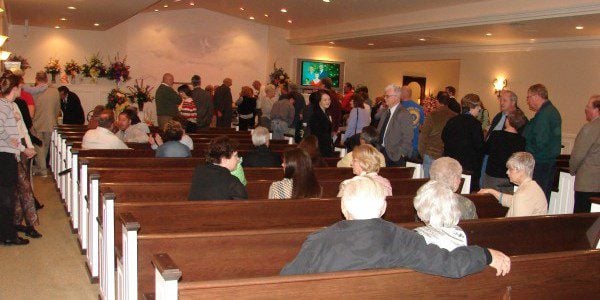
{"points": [[427, 161], [543, 174]]}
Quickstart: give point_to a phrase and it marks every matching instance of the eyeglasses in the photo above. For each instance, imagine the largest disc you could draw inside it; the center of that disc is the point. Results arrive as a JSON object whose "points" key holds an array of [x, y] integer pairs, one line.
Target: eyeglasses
{"points": [[387, 96]]}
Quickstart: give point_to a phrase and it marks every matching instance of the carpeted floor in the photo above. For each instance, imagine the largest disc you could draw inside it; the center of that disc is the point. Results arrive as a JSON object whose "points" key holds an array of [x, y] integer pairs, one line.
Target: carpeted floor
{"points": [[50, 267]]}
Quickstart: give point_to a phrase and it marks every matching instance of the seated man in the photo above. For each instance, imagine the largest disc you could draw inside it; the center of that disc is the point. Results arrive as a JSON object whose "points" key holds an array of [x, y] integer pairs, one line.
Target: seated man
{"points": [[365, 241], [129, 132], [102, 137], [368, 136], [447, 170], [261, 156]]}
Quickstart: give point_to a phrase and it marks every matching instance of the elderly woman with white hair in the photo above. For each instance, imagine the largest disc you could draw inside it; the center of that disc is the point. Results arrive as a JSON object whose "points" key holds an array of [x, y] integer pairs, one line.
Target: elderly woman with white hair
{"points": [[365, 241], [261, 156], [265, 104], [448, 171], [437, 207], [529, 199]]}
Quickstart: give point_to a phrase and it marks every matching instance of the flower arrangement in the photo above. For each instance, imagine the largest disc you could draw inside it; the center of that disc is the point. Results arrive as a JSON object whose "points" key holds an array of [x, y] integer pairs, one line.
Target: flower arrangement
{"points": [[94, 67], [118, 70], [116, 98], [140, 93], [278, 76], [72, 68], [52, 67], [17, 58]]}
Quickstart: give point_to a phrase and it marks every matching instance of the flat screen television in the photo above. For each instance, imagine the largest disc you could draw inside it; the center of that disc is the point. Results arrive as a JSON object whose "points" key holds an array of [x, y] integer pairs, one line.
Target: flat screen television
{"points": [[310, 72]]}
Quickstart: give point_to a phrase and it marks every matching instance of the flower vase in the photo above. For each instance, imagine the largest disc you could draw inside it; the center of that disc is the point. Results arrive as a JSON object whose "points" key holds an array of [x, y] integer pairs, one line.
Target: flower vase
{"points": [[73, 79], [53, 77], [141, 106]]}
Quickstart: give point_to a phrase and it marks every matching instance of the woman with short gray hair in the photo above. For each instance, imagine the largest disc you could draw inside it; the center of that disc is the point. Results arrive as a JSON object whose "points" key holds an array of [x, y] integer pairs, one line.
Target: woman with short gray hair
{"points": [[529, 199], [437, 207]]}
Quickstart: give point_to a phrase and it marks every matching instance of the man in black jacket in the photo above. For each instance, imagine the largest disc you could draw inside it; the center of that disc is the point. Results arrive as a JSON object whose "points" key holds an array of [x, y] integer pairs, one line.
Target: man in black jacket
{"points": [[262, 156], [203, 102], [223, 102], [70, 105], [365, 241]]}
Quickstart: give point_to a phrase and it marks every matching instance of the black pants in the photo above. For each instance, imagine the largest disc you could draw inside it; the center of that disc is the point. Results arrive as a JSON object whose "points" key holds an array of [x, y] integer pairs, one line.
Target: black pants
{"points": [[391, 163], [8, 183], [543, 174], [245, 124], [582, 201]]}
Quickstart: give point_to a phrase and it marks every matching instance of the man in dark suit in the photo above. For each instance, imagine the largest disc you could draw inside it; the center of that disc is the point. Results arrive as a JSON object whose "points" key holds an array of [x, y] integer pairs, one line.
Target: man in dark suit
{"points": [[71, 107], [395, 130], [223, 101], [203, 102]]}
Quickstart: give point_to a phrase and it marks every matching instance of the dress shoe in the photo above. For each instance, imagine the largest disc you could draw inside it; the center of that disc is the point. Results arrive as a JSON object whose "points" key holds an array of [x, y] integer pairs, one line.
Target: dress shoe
{"points": [[21, 228], [32, 233], [16, 241]]}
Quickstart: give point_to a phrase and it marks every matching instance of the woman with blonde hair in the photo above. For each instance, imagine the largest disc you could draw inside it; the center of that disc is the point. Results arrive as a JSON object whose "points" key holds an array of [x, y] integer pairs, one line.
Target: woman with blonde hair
{"points": [[366, 162]]}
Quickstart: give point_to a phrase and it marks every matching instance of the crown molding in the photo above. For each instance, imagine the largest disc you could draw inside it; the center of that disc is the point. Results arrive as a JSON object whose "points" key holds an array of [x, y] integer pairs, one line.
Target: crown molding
{"points": [[496, 18]]}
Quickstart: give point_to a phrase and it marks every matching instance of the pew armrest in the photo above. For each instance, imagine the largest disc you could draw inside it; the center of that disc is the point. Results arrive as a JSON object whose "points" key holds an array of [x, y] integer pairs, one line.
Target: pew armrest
{"points": [[129, 221], [167, 275], [593, 234]]}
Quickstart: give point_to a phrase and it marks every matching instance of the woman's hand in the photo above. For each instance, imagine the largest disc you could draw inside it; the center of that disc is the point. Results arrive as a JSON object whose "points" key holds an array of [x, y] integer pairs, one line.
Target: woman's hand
{"points": [[489, 191]]}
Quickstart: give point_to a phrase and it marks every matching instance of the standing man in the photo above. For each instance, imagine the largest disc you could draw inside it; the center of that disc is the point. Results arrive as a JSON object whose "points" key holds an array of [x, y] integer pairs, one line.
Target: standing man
{"points": [[395, 130], [417, 116], [70, 105], [430, 143], [167, 100], [452, 103], [508, 104], [543, 136], [203, 101], [223, 102], [585, 158], [47, 106]]}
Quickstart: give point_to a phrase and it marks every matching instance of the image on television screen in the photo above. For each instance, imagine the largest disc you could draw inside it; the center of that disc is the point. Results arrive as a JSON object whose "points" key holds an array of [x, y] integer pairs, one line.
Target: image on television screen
{"points": [[314, 71]]}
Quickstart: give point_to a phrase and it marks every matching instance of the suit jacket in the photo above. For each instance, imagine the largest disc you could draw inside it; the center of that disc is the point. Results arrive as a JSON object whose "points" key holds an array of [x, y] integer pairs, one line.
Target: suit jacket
{"points": [[213, 182], [167, 101], [399, 134], [463, 141], [585, 158], [204, 107], [454, 106], [223, 99], [47, 106], [261, 157], [72, 110], [320, 126]]}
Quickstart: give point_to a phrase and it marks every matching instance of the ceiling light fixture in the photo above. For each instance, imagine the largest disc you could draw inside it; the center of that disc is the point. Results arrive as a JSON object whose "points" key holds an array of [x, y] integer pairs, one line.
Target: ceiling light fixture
{"points": [[166, 5], [266, 15], [96, 24], [1, 10], [283, 10], [371, 44], [251, 18], [332, 43], [579, 27], [290, 21], [242, 9], [192, 3], [532, 40], [4, 55], [57, 27], [3, 39], [488, 34], [63, 19], [327, 1], [422, 39], [156, 10], [72, 7]]}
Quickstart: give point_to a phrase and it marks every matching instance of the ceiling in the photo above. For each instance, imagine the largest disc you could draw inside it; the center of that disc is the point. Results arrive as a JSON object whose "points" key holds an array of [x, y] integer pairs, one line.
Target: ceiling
{"points": [[310, 15]]}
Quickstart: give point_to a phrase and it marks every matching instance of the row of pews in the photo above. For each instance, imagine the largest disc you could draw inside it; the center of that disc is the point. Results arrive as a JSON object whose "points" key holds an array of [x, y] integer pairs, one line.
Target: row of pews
{"points": [[143, 239]]}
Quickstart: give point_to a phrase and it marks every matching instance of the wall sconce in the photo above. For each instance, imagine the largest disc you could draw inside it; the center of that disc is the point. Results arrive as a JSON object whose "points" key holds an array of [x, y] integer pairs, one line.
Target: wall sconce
{"points": [[4, 55], [499, 84], [3, 39]]}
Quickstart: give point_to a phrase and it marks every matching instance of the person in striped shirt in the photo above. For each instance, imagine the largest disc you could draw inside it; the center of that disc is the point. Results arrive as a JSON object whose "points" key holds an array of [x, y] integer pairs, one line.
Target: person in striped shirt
{"points": [[187, 109]]}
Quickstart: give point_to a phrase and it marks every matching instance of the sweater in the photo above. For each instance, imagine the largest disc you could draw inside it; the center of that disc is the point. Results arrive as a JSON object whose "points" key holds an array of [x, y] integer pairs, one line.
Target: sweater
{"points": [[167, 101], [543, 134]]}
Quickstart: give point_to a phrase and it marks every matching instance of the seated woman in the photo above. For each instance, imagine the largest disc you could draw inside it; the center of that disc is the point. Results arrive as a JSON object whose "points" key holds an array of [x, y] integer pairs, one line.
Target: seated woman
{"points": [[261, 156], [366, 161], [365, 241], [299, 178], [156, 140], [529, 199], [437, 207], [448, 171], [368, 136], [310, 144], [170, 144], [213, 180]]}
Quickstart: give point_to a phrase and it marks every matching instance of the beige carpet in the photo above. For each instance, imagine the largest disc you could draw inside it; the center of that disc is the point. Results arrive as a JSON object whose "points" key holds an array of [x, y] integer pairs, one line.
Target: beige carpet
{"points": [[50, 267]]}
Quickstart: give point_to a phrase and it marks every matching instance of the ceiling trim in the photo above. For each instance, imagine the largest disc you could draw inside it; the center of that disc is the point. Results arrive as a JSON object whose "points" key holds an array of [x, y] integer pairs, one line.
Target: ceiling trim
{"points": [[543, 44], [462, 22]]}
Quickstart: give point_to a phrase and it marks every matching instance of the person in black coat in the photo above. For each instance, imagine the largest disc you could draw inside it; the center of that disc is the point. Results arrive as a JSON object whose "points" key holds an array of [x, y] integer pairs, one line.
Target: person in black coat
{"points": [[320, 125], [261, 156], [463, 139], [223, 101], [246, 108], [213, 180], [71, 107], [452, 103]]}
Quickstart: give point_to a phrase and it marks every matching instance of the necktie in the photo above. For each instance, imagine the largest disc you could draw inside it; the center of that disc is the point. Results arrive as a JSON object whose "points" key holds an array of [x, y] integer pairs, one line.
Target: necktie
{"points": [[384, 127]]}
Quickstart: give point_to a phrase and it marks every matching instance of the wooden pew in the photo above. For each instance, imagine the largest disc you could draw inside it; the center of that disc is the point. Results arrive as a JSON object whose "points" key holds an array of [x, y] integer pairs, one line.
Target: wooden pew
{"points": [[595, 204], [256, 254]]}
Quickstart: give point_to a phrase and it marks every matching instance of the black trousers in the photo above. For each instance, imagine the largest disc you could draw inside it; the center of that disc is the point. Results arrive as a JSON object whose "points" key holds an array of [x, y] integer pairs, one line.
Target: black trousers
{"points": [[8, 183], [543, 174], [391, 163], [582, 201]]}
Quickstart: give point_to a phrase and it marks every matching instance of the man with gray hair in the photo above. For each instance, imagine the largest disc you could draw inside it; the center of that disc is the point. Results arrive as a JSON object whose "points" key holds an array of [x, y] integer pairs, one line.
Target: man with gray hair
{"points": [[395, 130], [102, 137], [448, 171], [365, 241], [508, 104], [203, 102], [261, 156]]}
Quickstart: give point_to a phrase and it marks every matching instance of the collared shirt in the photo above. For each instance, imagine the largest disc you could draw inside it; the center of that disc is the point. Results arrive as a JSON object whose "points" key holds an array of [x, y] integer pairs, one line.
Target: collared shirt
{"points": [[101, 138], [500, 125], [528, 200], [392, 110]]}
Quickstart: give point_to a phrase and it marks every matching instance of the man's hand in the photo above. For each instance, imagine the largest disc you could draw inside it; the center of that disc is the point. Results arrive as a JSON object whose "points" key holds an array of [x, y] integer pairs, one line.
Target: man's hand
{"points": [[500, 262]]}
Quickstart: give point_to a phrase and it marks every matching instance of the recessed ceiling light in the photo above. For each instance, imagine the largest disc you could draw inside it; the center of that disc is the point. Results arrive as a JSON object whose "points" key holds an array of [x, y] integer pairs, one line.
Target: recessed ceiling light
{"points": [[290, 21], [192, 3], [166, 5], [71, 7], [241, 8], [332, 43], [96, 24], [156, 10], [63, 19], [532, 40], [488, 34], [327, 1], [251, 18], [579, 27], [266, 15], [371, 44], [283, 10], [57, 27], [422, 39], [176, 0]]}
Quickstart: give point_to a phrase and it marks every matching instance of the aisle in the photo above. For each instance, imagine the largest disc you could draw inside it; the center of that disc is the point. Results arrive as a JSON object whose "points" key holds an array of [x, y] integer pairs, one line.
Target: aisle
{"points": [[50, 267]]}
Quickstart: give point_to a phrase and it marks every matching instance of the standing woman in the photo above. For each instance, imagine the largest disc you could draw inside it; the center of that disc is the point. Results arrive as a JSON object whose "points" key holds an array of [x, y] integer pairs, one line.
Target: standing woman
{"points": [[299, 178], [10, 149], [265, 104], [358, 119], [320, 125], [463, 138], [246, 105]]}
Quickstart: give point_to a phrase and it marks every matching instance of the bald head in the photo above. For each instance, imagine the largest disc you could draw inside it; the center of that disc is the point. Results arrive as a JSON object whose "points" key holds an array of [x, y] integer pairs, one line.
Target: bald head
{"points": [[227, 81], [405, 93], [168, 79]]}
